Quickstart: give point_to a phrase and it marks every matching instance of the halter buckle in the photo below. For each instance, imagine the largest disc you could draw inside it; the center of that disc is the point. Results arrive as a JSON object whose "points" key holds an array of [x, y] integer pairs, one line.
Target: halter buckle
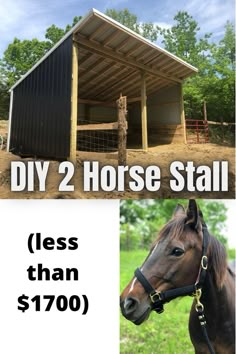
{"points": [[204, 262], [199, 306], [155, 296]]}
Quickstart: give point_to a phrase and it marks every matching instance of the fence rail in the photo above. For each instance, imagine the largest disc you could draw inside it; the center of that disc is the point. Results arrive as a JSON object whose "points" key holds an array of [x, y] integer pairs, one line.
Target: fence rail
{"points": [[197, 131], [106, 137]]}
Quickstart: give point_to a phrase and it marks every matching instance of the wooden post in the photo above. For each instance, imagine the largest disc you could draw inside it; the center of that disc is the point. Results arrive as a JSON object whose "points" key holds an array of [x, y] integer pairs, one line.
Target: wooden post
{"points": [[144, 112], [204, 110], [222, 129], [74, 103], [182, 114], [122, 126]]}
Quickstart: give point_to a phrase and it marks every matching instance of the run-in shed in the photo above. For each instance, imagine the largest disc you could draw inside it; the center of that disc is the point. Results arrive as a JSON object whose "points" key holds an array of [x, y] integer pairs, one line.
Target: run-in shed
{"points": [[82, 76]]}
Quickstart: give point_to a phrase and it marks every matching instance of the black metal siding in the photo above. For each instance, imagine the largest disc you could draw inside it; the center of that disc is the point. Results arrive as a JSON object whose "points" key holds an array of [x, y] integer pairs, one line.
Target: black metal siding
{"points": [[41, 109]]}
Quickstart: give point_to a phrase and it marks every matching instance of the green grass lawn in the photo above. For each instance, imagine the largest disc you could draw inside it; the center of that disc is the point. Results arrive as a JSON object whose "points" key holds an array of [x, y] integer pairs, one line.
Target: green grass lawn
{"points": [[166, 333]]}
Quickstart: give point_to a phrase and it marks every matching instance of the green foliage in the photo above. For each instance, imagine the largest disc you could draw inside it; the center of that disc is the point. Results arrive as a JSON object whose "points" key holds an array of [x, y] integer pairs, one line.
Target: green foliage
{"points": [[126, 18], [4, 100], [216, 64], [20, 56], [231, 253], [54, 33], [142, 219], [162, 334]]}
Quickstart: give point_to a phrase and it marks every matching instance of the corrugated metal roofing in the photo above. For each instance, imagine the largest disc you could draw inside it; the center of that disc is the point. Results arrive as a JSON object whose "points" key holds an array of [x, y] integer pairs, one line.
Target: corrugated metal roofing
{"points": [[112, 57]]}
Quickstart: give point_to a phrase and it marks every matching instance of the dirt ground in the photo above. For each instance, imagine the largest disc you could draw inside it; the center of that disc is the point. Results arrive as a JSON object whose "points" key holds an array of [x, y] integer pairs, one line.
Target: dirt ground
{"points": [[161, 156]]}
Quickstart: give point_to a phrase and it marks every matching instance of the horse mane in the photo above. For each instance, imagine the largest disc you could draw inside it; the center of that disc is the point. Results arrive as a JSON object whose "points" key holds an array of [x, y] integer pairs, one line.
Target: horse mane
{"points": [[217, 263]]}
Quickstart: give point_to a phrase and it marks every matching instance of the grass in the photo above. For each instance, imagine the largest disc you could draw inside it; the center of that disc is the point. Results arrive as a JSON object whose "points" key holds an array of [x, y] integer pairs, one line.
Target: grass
{"points": [[163, 334]]}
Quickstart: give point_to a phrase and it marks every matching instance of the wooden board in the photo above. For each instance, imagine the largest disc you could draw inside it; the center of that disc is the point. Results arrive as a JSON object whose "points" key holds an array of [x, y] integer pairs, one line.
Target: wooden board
{"points": [[100, 126]]}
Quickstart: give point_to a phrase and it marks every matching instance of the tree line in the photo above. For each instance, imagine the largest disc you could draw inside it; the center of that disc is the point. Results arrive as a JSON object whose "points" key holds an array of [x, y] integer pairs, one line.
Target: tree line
{"points": [[214, 83], [141, 220]]}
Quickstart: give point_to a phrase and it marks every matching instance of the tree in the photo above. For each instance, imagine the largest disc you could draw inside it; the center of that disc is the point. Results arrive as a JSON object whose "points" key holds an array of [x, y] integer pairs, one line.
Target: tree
{"points": [[142, 219], [126, 18], [4, 100], [54, 33], [21, 55], [216, 64], [224, 72]]}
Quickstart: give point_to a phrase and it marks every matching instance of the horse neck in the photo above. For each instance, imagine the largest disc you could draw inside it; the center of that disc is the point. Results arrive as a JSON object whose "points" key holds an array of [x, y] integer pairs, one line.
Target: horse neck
{"points": [[216, 300], [218, 308]]}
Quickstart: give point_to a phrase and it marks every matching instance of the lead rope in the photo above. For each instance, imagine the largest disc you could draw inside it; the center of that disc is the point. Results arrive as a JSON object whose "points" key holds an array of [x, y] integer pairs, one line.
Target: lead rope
{"points": [[200, 312]]}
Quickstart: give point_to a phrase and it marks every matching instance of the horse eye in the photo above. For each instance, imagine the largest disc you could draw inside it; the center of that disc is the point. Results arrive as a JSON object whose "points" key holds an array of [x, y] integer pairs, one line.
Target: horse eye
{"points": [[177, 252]]}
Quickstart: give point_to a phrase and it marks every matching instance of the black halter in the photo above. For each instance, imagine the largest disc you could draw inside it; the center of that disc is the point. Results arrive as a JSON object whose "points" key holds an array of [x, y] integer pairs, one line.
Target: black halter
{"points": [[159, 298]]}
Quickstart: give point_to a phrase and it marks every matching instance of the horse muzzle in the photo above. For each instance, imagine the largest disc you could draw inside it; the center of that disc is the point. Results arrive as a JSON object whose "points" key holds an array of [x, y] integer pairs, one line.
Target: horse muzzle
{"points": [[134, 311]]}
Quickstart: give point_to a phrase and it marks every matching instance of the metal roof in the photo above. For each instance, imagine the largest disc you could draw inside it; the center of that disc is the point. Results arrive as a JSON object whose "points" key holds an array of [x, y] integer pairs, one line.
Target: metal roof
{"points": [[112, 58]]}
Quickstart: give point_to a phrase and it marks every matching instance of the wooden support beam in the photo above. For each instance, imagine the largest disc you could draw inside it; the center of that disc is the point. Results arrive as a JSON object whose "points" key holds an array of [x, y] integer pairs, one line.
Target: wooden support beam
{"points": [[122, 130], [110, 87], [204, 110], [90, 68], [133, 50], [99, 126], [113, 70], [133, 99], [119, 57], [85, 58], [182, 114], [110, 37], [96, 103], [74, 104], [144, 112], [100, 29]]}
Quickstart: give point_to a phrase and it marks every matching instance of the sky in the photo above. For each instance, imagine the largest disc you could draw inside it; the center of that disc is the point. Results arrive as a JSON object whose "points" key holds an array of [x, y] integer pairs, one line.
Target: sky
{"points": [[27, 19]]}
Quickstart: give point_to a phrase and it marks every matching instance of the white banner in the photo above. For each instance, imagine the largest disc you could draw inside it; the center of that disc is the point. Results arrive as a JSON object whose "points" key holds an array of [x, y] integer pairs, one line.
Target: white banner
{"points": [[59, 276]]}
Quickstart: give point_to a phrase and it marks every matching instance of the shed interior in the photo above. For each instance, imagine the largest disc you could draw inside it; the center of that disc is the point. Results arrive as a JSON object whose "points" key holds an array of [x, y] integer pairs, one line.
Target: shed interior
{"points": [[113, 60]]}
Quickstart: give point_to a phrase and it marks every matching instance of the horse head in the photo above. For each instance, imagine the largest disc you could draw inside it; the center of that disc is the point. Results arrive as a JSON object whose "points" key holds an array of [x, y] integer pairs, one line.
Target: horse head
{"points": [[173, 262]]}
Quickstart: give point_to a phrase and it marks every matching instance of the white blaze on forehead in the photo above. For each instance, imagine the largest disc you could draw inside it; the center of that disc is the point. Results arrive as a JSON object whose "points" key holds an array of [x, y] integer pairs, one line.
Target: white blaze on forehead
{"points": [[134, 280], [132, 285], [154, 249]]}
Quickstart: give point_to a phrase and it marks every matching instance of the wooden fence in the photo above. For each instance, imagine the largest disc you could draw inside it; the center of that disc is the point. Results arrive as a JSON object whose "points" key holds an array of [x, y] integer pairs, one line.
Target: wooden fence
{"points": [[197, 131], [120, 127]]}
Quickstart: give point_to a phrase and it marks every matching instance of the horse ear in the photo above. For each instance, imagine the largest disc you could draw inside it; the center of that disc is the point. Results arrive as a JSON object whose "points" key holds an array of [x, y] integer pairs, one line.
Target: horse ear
{"points": [[179, 210], [193, 216]]}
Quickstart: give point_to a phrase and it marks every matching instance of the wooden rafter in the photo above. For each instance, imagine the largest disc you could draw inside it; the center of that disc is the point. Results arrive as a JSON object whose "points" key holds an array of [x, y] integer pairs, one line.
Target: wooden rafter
{"points": [[114, 55], [110, 38], [133, 50], [92, 66], [100, 74], [122, 44], [96, 103], [117, 84], [85, 58], [99, 30]]}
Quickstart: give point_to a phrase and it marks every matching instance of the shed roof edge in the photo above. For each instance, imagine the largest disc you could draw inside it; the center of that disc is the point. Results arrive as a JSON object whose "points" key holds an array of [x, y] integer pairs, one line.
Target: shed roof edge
{"points": [[67, 35], [75, 29]]}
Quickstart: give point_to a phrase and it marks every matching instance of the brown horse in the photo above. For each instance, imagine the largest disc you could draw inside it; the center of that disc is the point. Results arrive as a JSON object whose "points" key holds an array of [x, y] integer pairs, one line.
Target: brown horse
{"points": [[185, 259]]}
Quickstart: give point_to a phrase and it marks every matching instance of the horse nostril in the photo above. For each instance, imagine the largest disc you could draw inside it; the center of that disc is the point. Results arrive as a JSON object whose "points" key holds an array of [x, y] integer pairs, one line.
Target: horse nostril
{"points": [[130, 305]]}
